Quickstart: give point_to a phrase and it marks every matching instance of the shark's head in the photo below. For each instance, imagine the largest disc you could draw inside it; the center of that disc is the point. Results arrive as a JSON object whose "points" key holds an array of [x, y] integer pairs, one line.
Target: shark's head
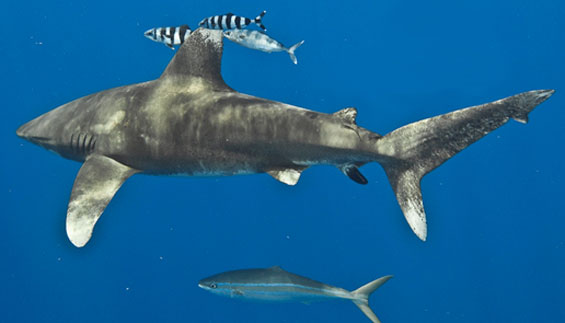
{"points": [[40, 131]]}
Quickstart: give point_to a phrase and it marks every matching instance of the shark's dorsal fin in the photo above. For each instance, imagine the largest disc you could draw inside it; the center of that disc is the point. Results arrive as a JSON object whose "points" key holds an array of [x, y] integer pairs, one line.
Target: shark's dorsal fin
{"points": [[276, 268], [349, 115], [96, 183], [199, 57]]}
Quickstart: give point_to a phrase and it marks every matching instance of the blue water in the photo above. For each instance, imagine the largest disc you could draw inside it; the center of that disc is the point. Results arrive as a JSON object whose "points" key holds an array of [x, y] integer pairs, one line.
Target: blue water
{"points": [[496, 243]]}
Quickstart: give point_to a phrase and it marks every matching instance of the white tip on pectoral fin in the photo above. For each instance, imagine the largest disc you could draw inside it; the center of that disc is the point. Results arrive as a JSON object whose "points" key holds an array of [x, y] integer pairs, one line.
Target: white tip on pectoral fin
{"points": [[96, 183]]}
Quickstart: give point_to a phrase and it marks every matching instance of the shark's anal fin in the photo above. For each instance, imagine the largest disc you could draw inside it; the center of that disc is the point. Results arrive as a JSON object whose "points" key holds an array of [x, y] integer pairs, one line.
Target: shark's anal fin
{"points": [[289, 176], [96, 183], [353, 173], [200, 56]]}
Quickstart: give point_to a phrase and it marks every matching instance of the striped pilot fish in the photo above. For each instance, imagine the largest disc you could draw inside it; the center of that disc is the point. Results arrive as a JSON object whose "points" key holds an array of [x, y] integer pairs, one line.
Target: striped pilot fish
{"points": [[231, 21], [257, 40], [277, 284], [170, 36]]}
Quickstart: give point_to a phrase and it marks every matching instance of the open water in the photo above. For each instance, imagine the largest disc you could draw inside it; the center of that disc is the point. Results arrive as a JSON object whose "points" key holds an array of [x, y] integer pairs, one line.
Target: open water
{"points": [[496, 243]]}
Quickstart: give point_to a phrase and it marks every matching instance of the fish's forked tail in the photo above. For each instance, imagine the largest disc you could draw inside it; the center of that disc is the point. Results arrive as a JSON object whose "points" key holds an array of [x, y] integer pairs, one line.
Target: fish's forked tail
{"points": [[361, 297], [258, 21], [412, 151], [291, 51]]}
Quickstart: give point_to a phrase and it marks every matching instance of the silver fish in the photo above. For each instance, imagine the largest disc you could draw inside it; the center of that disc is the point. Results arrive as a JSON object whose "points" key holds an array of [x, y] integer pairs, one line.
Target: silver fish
{"points": [[170, 36], [278, 285], [257, 40]]}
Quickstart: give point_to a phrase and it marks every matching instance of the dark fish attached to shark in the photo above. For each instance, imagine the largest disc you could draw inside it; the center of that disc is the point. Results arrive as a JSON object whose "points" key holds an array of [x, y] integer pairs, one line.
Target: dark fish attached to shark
{"points": [[278, 285], [190, 122]]}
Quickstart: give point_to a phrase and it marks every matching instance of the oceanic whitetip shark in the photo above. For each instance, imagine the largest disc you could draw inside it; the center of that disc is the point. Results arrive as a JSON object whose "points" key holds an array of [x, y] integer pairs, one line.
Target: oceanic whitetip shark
{"points": [[278, 285], [188, 121]]}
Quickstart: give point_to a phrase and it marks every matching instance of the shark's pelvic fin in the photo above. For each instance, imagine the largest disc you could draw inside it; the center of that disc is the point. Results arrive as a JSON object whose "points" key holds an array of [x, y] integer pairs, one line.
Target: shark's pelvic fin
{"points": [[200, 56], [418, 148], [96, 183], [361, 297], [289, 176]]}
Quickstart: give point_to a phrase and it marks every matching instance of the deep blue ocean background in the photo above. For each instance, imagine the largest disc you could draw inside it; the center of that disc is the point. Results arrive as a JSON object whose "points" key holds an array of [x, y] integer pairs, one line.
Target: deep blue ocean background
{"points": [[496, 243]]}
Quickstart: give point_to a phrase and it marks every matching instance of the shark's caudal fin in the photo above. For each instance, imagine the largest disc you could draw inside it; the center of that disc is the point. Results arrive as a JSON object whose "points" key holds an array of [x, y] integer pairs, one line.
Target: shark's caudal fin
{"points": [[418, 148], [361, 297], [96, 183], [291, 51]]}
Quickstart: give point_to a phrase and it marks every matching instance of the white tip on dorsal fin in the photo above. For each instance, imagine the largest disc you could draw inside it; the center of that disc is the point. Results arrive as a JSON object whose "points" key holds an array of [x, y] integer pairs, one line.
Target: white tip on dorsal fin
{"points": [[289, 176], [199, 56], [348, 115]]}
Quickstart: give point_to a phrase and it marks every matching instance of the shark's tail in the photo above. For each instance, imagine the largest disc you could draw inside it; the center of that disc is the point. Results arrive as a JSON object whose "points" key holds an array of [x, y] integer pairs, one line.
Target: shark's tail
{"points": [[414, 150], [291, 51], [258, 21], [361, 297]]}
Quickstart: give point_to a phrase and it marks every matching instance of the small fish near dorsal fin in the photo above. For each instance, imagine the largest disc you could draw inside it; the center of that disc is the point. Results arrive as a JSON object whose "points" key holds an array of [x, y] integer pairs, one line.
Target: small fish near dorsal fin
{"points": [[349, 115], [199, 57]]}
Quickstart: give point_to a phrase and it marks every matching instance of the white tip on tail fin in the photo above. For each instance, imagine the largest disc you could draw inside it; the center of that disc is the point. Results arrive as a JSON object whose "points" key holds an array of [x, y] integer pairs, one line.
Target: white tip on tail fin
{"points": [[362, 297], [291, 52]]}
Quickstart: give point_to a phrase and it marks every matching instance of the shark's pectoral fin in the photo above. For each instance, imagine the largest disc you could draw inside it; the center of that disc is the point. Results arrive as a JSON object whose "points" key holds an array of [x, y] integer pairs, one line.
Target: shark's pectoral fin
{"points": [[289, 176], [96, 183]]}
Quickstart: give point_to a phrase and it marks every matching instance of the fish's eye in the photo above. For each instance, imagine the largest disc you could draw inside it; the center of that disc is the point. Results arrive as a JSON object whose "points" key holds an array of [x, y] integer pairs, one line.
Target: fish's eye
{"points": [[213, 286]]}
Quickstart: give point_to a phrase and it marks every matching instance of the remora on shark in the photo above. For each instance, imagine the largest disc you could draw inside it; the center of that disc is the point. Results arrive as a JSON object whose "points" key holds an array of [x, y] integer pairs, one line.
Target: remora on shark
{"points": [[190, 122]]}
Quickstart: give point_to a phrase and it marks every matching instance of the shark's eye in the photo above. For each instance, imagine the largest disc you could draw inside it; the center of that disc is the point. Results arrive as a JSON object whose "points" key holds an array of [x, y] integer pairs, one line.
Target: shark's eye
{"points": [[213, 285]]}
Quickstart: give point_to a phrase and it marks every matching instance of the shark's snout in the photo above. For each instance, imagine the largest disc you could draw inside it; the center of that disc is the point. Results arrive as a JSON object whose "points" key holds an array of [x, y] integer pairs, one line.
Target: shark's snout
{"points": [[26, 131], [35, 132], [21, 132]]}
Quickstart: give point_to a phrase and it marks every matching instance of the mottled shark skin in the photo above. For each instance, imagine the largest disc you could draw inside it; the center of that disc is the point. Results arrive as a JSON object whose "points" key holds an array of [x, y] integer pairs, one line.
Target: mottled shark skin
{"points": [[275, 284], [190, 122]]}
